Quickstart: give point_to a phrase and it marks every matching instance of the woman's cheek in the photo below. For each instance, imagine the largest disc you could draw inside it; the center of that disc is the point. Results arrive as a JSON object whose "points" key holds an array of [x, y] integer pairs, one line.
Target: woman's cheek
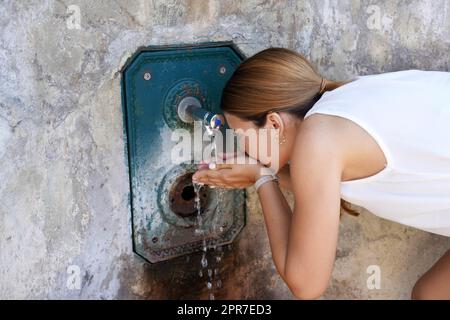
{"points": [[251, 148]]}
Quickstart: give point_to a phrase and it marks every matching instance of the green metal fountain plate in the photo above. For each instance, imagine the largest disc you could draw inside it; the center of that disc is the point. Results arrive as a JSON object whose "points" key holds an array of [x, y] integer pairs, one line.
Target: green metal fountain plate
{"points": [[154, 80]]}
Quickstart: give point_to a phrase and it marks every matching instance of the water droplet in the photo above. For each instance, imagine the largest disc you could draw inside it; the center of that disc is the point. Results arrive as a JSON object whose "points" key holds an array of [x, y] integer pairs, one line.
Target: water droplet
{"points": [[204, 262], [216, 271], [209, 273], [218, 258], [200, 273], [209, 285], [219, 283], [211, 296]]}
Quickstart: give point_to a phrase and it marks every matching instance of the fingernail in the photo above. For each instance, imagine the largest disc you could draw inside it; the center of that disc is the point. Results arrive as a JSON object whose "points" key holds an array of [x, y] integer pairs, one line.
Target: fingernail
{"points": [[212, 165]]}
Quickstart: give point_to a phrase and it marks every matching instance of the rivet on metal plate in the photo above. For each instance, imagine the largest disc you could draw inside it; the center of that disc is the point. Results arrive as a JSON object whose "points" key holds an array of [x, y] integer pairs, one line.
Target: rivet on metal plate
{"points": [[147, 76]]}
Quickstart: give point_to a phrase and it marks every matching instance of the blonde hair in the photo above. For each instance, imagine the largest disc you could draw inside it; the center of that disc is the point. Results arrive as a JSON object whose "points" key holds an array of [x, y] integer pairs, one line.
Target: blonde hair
{"points": [[276, 79]]}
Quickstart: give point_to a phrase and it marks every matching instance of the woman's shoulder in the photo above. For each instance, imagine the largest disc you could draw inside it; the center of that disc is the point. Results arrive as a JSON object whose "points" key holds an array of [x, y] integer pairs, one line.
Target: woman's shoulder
{"points": [[354, 148], [323, 126], [317, 154], [333, 135], [323, 132]]}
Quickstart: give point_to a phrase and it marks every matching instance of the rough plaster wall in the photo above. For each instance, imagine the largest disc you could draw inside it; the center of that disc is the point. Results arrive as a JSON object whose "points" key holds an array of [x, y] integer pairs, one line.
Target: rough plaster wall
{"points": [[64, 188]]}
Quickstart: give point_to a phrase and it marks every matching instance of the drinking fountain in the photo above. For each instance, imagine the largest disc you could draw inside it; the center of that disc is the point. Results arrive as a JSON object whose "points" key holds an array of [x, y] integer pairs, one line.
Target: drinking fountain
{"points": [[166, 88]]}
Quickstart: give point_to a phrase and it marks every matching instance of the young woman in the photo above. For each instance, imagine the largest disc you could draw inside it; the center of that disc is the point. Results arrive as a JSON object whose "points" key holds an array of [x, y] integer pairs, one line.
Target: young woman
{"points": [[379, 141]]}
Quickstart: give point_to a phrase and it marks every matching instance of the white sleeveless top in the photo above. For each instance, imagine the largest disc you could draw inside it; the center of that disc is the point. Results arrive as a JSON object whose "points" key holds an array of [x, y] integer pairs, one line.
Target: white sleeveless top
{"points": [[408, 115]]}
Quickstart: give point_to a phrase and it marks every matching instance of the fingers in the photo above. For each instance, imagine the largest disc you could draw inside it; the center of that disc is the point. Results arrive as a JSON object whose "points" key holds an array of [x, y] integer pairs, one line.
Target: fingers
{"points": [[219, 166], [211, 175], [212, 178], [215, 176], [206, 176]]}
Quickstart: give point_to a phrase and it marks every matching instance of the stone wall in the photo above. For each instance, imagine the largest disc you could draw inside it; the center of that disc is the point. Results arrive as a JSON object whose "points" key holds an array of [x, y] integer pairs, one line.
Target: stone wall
{"points": [[64, 190]]}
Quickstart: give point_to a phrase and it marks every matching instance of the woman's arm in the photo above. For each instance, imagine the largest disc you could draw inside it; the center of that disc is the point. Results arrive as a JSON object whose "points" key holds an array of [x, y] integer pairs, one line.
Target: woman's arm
{"points": [[303, 243]]}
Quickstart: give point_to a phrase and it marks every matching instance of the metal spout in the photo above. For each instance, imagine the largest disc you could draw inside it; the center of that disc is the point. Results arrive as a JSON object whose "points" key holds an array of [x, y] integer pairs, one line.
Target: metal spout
{"points": [[190, 109]]}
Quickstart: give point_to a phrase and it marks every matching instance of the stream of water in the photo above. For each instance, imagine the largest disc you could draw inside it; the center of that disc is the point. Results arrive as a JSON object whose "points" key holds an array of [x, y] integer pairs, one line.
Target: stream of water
{"points": [[207, 268]]}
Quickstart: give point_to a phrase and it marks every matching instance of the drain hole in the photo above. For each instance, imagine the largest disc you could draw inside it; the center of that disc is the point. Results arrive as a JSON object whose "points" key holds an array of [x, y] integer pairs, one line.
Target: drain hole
{"points": [[188, 193], [182, 197]]}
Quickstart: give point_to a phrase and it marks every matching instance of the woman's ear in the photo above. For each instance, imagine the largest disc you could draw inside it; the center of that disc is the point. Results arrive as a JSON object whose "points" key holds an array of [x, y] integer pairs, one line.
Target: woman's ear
{"points": [[275, 121]]}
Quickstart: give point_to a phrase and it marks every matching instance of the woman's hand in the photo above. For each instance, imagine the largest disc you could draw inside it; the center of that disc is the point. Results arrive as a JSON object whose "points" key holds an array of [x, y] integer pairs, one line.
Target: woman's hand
{"points": [[240, 174]]}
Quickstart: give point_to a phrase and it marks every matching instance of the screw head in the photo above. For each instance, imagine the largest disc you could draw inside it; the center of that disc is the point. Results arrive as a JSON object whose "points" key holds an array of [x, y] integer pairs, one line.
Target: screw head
{"points": [[222, 69], [147, 76]]}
